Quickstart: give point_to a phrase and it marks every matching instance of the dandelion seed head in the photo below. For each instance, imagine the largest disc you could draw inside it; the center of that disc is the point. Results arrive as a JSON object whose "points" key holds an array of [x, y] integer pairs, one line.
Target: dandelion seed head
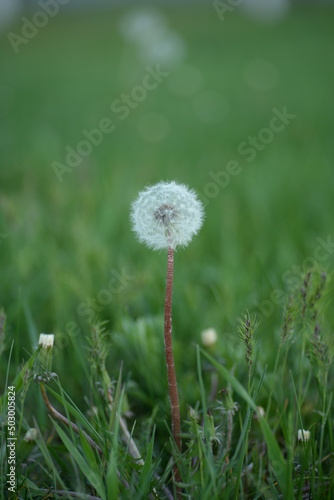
{"points": [[166, 215]]}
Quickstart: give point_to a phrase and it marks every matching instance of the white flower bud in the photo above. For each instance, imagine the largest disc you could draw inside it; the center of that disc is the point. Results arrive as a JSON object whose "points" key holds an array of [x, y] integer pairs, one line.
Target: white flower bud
{"points": [[209, 337], [166, 215], [306, 434], [31, 435], [44, 360], [260, 413], [46, 340]]}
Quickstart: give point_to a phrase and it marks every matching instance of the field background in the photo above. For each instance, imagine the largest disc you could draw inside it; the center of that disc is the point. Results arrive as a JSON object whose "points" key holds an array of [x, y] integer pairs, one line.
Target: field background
{"points": [[61, 240]]}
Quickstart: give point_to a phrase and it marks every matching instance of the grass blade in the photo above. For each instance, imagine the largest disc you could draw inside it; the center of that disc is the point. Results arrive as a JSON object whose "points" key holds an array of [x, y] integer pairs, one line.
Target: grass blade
{"points": [[276, 457], [94, 478]]}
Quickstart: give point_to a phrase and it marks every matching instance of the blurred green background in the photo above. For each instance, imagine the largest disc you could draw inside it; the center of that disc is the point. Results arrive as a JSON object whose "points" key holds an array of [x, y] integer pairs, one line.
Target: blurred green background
{"points": [[61, 242]]}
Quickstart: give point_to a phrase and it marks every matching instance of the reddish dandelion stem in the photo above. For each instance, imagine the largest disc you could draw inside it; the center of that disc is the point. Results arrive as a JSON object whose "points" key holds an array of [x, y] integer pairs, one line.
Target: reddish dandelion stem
{"points": [[172, 384]]}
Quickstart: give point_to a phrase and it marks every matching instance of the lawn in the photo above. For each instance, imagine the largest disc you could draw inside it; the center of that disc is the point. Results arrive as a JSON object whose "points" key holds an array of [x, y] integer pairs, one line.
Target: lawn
{"points": [[245, 119]]}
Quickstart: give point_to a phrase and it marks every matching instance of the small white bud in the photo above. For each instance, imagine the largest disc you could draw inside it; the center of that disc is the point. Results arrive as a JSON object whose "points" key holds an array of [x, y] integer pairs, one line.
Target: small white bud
{"points": [[46, 340], [306, 434], [43, 363], [260, 413], [31, 435], [166, 215], [209, 337]]}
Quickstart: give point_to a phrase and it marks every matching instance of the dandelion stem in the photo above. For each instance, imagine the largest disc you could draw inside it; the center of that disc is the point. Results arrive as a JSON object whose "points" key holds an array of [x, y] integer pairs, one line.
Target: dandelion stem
{"points": [[172, 384], [56, 414]]}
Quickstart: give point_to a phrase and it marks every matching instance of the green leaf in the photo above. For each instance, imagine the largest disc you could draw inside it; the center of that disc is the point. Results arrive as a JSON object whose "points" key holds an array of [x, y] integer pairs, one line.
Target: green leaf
{"points": [[242, 443], [276, 457], [74, 411], [116, 400], [94, 478], [207, 449], [89, 453], [47, 457], [146, 473], [112, 479], [18, 381]]}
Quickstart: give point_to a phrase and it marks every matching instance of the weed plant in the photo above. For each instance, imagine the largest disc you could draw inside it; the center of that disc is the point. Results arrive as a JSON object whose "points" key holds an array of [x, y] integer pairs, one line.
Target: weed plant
{"points": [[265, 435]]}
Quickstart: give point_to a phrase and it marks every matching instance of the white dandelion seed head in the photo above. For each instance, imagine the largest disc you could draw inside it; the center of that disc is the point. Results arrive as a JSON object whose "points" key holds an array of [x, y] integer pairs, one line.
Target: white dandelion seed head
{"points": [[166, 215]]}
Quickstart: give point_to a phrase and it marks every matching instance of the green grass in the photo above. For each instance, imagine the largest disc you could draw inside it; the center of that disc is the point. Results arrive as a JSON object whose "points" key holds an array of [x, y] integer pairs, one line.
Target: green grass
{"points": [[62, 243]]}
